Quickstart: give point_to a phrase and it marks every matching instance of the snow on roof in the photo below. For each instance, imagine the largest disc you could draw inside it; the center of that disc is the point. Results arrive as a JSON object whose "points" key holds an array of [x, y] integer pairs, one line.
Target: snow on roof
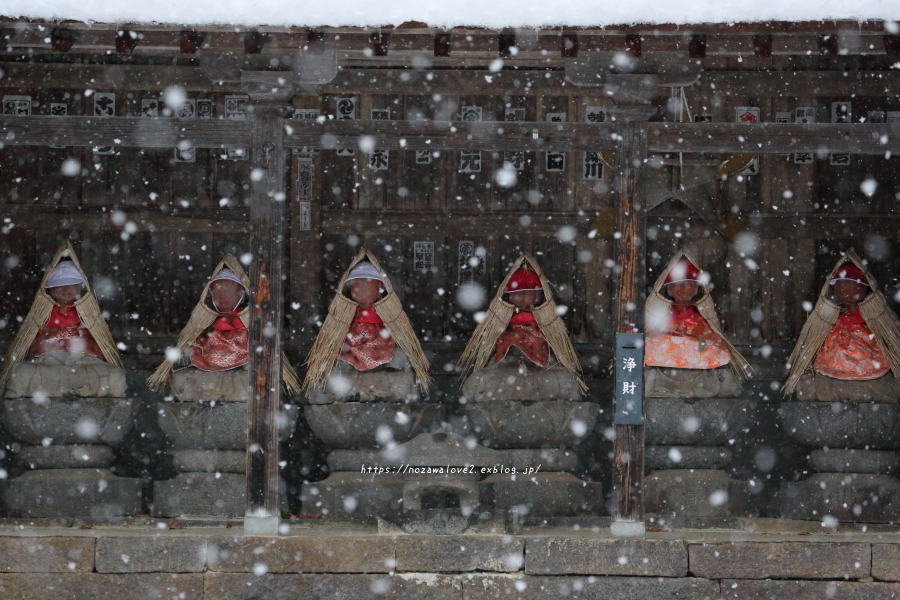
{"points": [[449, 13]]}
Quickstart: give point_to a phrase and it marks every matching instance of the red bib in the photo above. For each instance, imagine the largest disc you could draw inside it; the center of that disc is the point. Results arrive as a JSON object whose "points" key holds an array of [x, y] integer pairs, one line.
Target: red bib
{"points": [[523, 333], [368, 343], [228, 322], [367, 315], [523, 318], [63, 333], [222, 347], [678, 345], [850, 351]]}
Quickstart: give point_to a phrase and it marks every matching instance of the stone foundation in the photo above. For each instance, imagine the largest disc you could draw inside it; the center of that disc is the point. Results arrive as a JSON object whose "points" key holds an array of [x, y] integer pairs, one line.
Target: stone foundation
{"points": [[210, 494], [444, 471], [143, 562]]}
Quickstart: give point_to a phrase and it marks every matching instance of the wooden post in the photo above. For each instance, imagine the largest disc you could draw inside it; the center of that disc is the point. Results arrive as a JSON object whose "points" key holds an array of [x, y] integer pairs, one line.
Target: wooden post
{"points": [[267, 245], [306, 223], [631, 223]]}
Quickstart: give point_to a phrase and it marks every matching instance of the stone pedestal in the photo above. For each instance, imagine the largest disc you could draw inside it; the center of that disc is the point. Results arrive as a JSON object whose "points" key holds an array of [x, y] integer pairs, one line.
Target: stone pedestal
{"points": [[511, 424], [518, 407], [64, 375], [369, 425], [68, 440], [853, 463], [513, 381], [209, 441], [661, 382], [444, 477], [509, 449], [392, 382], [687, 454], [359, 414]]}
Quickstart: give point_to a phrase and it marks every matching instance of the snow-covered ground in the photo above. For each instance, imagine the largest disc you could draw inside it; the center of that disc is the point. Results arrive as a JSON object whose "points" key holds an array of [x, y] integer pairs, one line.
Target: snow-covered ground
{"points": [[448, 13]]}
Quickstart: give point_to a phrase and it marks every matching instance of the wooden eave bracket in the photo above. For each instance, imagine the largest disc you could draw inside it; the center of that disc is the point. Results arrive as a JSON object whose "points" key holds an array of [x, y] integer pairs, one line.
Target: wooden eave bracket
{"points": [[634, 79], [307, 72]]}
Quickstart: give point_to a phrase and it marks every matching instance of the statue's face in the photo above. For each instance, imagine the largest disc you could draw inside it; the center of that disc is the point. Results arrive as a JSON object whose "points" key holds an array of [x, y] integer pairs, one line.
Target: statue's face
{"points": [[365, 291], [65, 294], [849, 292], [226, 294], [525, 299], [683, 291]]}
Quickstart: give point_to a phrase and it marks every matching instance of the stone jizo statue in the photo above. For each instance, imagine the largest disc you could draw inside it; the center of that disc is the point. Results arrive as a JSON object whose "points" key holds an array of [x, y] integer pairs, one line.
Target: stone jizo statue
{"points": [[215, 340], [686, 352], [367, 350], [521, 351], [64, 327], [849, 349]]}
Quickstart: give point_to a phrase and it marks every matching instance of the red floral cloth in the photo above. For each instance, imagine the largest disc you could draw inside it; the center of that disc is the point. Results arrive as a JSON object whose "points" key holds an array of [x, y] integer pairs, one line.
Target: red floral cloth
{"points": [[63, 332], [850, 351], [368, 343], [523, 333], [223, 346], [679, 344]]}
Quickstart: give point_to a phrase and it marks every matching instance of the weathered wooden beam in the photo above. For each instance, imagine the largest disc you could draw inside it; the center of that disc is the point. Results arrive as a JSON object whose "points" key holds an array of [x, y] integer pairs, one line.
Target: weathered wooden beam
{"points": [[123, 132], [761, 138], [393, 75], [268, 221], [111, 78], [813, 226], [776, 138], [50, 217], [631, 225], [547, 75], [802, 83], [470, 76], [455, 135], [444, 223]]}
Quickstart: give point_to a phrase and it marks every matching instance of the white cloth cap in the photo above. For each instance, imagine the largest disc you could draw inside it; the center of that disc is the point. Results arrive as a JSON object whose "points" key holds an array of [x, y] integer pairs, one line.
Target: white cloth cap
{"points": [[364, 270], [228, 274], [64, 273]]}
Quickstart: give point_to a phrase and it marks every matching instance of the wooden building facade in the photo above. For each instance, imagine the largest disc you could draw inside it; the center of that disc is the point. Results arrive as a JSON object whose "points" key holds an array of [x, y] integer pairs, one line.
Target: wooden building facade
{"points": [[151, 222], [448, 153]]}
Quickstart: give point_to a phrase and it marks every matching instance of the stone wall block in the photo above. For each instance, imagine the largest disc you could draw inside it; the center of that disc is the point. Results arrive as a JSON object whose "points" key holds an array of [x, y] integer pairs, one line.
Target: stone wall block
{"points": [[780, 560], [96, 586], [886, 562], [409, 586], [524, 587], [313, 554], [460, 553], [808, 590], [151, 555], [565, 556], [46, 555]]}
